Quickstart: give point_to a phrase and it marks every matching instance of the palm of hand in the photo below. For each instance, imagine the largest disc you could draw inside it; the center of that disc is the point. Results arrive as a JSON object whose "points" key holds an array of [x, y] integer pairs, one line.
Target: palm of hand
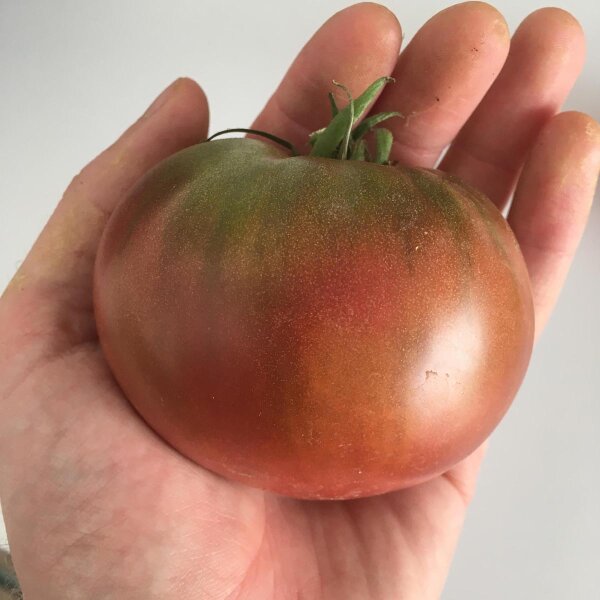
{"points": [[107, 507], [116, 499]]}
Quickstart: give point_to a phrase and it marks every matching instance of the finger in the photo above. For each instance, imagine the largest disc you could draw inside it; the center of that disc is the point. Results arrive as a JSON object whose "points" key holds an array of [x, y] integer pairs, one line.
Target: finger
{"points": [[355, 46], [552, 202], [441, 77], [65, 250], [545, 58]]}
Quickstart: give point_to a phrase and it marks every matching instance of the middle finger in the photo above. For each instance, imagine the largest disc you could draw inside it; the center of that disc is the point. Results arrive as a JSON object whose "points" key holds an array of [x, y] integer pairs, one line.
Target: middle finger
{"points": [[441, 77], [546, 56]]}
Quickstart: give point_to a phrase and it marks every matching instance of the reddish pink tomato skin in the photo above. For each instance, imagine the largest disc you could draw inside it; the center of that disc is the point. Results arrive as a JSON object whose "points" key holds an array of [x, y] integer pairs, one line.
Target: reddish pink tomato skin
{"points": [[318, 328]]}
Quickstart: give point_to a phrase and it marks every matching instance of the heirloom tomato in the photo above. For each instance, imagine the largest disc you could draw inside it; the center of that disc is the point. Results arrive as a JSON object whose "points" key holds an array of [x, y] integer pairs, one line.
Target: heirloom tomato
{"points": [[323, 326]]}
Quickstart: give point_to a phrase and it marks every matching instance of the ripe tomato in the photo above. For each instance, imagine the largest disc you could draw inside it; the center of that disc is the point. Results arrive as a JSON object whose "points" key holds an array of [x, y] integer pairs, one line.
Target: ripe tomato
{"points": [[317, 327]]}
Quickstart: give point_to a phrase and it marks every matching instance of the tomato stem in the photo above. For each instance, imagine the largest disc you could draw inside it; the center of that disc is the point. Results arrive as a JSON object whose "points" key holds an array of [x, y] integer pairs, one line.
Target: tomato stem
{"points": [[340, 139]]}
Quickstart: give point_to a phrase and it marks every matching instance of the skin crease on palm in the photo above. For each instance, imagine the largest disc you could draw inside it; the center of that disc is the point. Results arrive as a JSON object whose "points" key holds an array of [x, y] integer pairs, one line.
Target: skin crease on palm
{"points": [[98, 507]]}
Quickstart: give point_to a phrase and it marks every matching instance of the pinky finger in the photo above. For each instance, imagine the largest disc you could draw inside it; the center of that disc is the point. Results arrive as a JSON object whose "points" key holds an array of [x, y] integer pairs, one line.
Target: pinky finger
{"points": [[552, 203]]}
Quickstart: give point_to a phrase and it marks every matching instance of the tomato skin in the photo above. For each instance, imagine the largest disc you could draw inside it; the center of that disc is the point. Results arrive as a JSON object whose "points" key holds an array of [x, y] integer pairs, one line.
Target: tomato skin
{"points": [[314, 327]]}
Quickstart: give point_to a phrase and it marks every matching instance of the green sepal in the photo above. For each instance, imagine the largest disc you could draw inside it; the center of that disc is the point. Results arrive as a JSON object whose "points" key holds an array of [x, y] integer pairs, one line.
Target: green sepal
{"points": [[334, 108], [312, 137], [383, 145], [360, 151], [327, 142], [370, 122], [264, 134], [345, 145]]}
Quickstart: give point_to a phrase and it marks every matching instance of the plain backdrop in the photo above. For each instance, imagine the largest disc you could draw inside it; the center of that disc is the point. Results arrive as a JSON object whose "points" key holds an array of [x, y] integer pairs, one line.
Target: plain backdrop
{"points": [[74, 74]]}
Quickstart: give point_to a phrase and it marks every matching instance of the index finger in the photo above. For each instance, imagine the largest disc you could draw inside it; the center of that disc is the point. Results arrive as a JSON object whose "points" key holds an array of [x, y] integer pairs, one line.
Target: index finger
{"points": [[355, 46]]}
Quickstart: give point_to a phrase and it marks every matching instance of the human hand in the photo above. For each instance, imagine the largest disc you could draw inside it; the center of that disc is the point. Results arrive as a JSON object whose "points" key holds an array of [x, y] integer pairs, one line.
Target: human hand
{"points": [[97, 506]]}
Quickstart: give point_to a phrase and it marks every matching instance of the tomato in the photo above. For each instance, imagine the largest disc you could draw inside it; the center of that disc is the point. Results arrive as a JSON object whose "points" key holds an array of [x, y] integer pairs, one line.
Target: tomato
{"points": [[315, 327]]}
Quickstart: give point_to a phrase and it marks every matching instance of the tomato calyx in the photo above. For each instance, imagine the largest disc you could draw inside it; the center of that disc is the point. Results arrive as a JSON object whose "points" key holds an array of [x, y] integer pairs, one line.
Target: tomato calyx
{"points": [[343, 138]]}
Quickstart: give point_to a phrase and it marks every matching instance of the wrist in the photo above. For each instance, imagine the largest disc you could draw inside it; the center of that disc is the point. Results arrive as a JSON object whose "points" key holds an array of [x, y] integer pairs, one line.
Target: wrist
{"points": [[9, 585]]}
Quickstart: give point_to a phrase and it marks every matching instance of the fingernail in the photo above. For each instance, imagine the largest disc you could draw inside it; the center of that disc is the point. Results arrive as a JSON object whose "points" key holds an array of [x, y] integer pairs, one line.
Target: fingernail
{"points": [[160, 100]]}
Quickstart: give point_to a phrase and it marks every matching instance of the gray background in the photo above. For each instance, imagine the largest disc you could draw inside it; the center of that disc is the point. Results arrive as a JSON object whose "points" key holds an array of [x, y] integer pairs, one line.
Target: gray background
{"points": [[75, 74]]}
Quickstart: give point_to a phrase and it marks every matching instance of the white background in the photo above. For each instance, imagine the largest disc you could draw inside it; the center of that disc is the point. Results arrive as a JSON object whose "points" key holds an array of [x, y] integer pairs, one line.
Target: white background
{"points": [[74, 74]]}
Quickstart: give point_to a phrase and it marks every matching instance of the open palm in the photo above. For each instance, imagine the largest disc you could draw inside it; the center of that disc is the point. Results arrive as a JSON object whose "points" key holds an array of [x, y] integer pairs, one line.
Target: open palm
{"points": [[97, 506]]}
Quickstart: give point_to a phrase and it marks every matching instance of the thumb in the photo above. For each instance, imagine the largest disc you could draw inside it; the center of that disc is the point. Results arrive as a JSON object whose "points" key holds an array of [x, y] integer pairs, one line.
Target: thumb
{"points": [[63, 253], [49, 300]]}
